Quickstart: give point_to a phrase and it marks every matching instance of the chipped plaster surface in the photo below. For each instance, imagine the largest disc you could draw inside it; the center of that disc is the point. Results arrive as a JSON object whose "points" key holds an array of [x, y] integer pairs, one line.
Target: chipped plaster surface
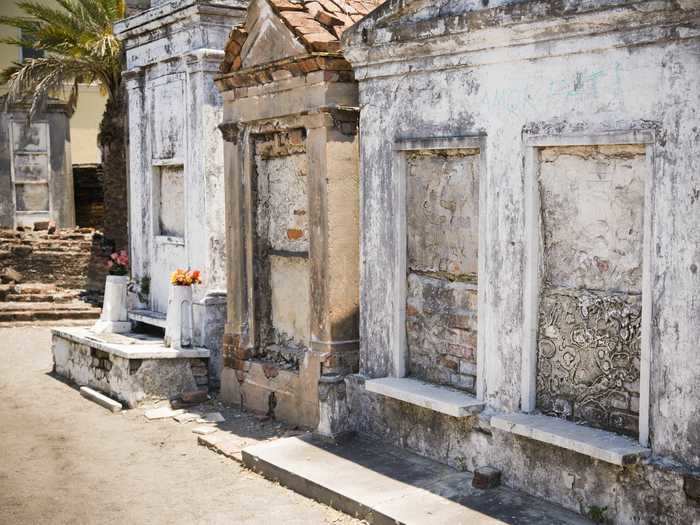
{"points": [[289, 282], [592, 202], [442, 210], [283, 202]]}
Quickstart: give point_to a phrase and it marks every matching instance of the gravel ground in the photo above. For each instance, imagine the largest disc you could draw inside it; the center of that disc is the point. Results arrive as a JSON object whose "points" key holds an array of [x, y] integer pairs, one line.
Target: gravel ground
{"points": [[64, 459]]}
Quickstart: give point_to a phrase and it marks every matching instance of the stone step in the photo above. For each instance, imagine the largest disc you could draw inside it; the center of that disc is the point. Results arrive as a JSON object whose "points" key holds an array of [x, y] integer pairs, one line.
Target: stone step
{"points": [[57, 314], [383, 484], [38, 307], [62, 246], [41, 298], [35, 288]]}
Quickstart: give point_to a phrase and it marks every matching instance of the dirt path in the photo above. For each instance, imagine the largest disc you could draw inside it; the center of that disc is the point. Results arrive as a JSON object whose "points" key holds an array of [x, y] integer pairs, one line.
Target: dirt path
{"points": [[66, 460]]}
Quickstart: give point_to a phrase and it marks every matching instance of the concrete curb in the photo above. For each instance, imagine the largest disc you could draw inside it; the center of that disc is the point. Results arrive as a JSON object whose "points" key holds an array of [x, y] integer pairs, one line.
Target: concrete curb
{"points": [[100, 399]]}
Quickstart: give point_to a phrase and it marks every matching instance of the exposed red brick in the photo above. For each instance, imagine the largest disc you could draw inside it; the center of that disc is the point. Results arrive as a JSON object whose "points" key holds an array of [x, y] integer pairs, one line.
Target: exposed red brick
{"points": [[318, 24], [328, 19], [270, 370], [284, 5], [195, 396], [294, 234]]}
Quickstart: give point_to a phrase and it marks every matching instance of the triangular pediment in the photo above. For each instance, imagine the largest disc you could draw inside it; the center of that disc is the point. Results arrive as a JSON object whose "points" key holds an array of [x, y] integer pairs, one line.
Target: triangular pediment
{"points": [[279, 29], [269, 39]]}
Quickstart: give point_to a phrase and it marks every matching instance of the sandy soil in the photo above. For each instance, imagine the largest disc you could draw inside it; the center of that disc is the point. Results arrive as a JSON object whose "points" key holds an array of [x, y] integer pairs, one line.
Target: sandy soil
{"points": [[64, 459]]}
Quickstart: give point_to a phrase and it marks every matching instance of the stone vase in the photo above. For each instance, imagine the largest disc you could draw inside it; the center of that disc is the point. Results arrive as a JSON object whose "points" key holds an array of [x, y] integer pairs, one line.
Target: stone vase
{"points": [[113, 318], [178, 331]]}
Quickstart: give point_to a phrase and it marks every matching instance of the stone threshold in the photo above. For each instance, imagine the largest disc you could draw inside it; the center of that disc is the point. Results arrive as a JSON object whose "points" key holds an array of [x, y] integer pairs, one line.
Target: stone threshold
{"points": [[148, 317], [128, 346], [598, 444], [386, 485], [438, 398]]}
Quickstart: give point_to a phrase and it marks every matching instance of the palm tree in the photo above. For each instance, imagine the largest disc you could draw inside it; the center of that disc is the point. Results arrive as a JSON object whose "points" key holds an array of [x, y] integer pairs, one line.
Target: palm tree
{"points": [[79, 47]]}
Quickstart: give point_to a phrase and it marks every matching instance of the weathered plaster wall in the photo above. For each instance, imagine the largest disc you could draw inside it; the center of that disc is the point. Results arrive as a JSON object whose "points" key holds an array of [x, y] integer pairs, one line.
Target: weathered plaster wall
{"points": [[171, 202], [289, 283], [592, 201], [282, 241], [590, 83]]}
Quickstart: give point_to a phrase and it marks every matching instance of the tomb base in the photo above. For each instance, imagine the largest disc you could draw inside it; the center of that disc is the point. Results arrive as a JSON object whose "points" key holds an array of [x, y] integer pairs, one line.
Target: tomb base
{"points": [[265, 387], [132, 368]]}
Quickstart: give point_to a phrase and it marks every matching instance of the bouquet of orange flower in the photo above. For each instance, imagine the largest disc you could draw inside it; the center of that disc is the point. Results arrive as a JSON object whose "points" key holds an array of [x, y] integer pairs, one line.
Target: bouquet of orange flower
{"points": [[186, 277]]}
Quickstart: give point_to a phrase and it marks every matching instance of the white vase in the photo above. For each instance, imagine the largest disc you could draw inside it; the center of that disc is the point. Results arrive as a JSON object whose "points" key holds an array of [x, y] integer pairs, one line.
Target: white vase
{"points": [[113, 318], [178, 331]]}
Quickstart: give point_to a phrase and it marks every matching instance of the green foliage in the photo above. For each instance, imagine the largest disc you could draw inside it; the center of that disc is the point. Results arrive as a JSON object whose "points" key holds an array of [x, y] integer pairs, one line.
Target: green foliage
{"points": [[598, 514], [144, 289], [79, 45]]}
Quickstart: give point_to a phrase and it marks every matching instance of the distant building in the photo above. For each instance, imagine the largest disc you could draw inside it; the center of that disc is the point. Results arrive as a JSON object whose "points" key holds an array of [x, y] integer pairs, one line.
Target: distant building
{"points": [[36, 183]]}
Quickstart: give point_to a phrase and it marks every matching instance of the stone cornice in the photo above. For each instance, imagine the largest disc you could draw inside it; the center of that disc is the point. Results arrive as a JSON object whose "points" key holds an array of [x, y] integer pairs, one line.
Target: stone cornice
{"points": [[172, 12], [284, 69], [384, 46]]}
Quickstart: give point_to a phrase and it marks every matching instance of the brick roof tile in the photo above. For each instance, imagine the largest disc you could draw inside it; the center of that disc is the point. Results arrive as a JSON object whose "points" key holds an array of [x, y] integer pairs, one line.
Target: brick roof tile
{"points": [[318, 24]]}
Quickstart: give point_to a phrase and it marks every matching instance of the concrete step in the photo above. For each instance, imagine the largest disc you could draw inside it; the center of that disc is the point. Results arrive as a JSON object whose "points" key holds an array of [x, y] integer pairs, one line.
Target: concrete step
{"points": [[41, 298], [29, 298], [18, 311], [47, 315], [35, 288], [38, 307], [386, 485]]}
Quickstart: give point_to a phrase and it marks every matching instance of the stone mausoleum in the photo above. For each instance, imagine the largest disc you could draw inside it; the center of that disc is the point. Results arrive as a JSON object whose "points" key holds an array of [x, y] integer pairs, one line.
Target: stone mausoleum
{"points": [[176, 194], [176, 204], [530, 245], [292, 215], [36, 178]]}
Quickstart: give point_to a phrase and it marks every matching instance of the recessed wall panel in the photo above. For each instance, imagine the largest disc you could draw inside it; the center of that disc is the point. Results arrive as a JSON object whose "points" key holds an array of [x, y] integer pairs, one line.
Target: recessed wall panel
{"points": [[442, 229], [589, 333]]}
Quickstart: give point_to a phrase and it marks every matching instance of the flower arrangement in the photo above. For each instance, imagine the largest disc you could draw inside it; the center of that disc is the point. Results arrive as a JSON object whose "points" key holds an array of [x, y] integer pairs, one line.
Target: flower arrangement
{"points": [[118, 263], [185, 277]]}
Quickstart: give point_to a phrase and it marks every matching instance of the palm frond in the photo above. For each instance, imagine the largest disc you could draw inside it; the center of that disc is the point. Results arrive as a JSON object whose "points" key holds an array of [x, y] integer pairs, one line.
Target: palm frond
{"points": [[79, 44]]}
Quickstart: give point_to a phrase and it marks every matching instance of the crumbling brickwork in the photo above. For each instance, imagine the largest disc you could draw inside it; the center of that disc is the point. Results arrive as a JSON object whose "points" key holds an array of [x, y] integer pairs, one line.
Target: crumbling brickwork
{"points": [[442, 189], [70, 259]]}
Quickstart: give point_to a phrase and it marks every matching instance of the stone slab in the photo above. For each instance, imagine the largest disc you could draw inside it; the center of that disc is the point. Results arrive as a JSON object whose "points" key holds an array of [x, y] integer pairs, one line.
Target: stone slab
{"points": [[204, 430], [100, 399], [383, 484], [227, 444], [129, 346], [148, 317], [598, 444], [212, 417], [186, 417], [162, 413], [111, 327], [441, 399]]}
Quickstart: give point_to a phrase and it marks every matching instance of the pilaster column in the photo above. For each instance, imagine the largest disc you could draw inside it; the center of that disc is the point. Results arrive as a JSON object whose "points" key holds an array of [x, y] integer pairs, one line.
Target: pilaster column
{"points": [[237, 331]]}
